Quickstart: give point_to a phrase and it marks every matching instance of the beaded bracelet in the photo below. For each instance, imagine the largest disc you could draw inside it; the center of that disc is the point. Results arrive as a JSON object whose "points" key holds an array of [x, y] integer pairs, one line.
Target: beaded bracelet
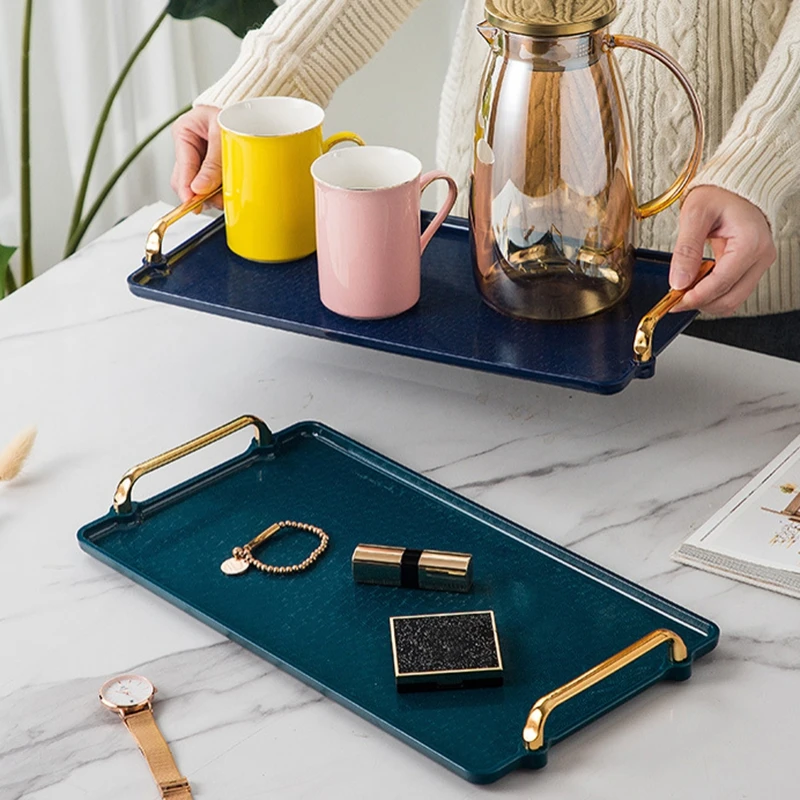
{"points": [[243, 556]]}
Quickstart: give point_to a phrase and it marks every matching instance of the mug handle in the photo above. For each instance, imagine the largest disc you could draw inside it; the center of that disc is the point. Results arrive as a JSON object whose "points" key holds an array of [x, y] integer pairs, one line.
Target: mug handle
{"points": [[693, 162], [452, 193], [338, 138]]}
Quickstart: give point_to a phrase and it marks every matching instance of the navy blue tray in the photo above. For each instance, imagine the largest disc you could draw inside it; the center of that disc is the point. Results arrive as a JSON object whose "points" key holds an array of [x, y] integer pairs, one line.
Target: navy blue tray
{"points": [[558, 615], [450, 324]]}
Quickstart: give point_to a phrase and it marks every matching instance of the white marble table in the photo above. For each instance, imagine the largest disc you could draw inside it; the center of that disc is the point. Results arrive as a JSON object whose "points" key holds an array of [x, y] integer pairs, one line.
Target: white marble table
{"points": [[111, 380]]}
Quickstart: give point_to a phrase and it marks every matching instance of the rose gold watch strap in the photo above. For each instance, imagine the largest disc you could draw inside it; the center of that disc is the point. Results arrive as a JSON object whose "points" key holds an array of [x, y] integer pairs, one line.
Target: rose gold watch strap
{"points": [[143, 728]]}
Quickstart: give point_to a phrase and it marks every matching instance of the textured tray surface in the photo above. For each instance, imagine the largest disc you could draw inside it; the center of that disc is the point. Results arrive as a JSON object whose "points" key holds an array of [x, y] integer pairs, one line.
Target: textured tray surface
{"points": [[557, 614], [450, 324]]}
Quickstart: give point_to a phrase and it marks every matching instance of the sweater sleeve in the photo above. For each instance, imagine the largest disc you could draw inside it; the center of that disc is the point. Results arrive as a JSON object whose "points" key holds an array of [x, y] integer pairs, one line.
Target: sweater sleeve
{"points": [[759, 156], [306, 48]]}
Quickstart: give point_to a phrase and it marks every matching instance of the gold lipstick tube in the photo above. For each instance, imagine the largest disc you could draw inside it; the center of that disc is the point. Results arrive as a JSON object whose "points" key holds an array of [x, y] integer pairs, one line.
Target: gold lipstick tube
{"points": [[413, 569]]}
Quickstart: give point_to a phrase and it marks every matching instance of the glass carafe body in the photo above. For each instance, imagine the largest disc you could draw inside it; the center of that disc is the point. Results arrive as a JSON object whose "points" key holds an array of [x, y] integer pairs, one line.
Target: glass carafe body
{"points": [[553, 207]]}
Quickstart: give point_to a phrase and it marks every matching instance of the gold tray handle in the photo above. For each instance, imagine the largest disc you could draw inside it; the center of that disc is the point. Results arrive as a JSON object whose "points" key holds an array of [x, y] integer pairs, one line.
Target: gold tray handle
{"points": [[155, 239], [643, 341], [533, 732], [122, 497]]}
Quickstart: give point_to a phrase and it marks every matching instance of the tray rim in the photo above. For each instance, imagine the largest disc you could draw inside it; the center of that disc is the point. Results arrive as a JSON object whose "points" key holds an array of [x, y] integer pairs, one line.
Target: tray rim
{"points": [[137, 284], [89, 533]]}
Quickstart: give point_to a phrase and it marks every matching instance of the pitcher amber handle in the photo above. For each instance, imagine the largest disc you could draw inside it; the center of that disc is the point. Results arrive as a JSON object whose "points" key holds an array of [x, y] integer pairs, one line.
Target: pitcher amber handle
{"points": [[452, 193], [690, 168], [338, 138]]}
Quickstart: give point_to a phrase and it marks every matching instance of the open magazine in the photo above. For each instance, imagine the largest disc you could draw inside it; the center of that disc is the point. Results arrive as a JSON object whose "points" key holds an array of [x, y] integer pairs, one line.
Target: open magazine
{"points": [[755, 537]]}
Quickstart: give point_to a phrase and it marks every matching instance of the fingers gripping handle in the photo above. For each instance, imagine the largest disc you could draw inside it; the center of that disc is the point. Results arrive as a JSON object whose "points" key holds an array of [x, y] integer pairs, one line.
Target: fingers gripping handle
{"points": [[645, 331], [155, 239]]}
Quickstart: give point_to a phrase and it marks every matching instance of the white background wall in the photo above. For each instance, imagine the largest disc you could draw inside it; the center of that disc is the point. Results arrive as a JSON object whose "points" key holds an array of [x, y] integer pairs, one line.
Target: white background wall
{"points": [[78, 48]]}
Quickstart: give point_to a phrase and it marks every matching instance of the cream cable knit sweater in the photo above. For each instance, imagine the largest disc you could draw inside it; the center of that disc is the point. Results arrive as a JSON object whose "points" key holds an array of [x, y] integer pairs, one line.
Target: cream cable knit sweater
{"points": [[742, 56]]}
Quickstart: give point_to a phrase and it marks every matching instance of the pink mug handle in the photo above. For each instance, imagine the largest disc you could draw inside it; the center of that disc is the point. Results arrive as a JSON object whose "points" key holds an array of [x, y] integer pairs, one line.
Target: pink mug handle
{"points": [[452, 193]]}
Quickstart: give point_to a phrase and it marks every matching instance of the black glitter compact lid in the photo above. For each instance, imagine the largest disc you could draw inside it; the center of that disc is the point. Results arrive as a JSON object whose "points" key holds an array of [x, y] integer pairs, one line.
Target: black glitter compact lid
{"points": [[446, 651]]}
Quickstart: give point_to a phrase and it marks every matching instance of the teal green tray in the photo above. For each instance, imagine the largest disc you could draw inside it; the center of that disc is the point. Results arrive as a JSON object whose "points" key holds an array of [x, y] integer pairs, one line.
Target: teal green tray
{"points": [[558, 615]]}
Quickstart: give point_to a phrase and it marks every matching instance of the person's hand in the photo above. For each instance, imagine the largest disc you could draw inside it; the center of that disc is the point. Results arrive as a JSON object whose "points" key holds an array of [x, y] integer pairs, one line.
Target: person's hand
{"points": [[740, 239], [198, 164]]}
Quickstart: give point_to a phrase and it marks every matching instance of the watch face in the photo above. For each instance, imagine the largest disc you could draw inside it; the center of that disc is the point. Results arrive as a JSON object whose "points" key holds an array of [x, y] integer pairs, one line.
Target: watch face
{"points": [[126, 691]]}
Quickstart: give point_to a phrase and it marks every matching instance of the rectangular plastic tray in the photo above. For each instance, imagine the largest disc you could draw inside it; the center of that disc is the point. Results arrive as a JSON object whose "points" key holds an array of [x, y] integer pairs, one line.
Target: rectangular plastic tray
{"points": [[558, 615], [450, 324]]}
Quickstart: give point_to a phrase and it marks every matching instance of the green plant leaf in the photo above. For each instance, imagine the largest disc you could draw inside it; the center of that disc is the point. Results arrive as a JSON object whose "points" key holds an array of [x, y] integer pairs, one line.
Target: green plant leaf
{"points": [[5, 256], [239, 16]]}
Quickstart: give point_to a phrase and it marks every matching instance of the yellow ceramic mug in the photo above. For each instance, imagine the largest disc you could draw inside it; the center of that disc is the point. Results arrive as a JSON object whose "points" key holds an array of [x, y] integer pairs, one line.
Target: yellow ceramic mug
{"points": [[268, 146]]}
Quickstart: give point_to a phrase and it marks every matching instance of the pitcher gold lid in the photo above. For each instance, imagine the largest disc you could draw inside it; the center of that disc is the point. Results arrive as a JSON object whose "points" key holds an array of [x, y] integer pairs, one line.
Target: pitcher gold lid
{"points": [[550, 17]]}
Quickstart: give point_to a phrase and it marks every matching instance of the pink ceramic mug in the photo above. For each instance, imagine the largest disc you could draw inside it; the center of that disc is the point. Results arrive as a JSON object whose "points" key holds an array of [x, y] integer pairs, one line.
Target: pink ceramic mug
{"points": [[368, 229]]}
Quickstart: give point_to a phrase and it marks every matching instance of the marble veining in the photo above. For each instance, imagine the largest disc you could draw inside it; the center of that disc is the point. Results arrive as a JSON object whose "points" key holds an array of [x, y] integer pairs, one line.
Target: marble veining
{"points": [[70, 733], [110, 380]]}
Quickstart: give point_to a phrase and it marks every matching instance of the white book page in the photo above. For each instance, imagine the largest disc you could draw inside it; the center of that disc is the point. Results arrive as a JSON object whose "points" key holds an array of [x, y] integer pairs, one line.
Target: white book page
{"points": [[761, 524]]}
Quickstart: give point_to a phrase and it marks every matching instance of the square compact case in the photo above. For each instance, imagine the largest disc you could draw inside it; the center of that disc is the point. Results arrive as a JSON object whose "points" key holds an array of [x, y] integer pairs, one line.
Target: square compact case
{"points": [[446, 651]]}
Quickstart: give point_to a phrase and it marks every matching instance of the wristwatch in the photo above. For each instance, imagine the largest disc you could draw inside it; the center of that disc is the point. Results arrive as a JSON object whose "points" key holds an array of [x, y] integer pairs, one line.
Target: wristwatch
{"points": [[131, 696]]}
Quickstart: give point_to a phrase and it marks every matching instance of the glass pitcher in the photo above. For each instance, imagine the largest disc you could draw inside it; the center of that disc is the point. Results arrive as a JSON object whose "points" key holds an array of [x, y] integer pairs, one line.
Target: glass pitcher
{"points": [[553, 206]]}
